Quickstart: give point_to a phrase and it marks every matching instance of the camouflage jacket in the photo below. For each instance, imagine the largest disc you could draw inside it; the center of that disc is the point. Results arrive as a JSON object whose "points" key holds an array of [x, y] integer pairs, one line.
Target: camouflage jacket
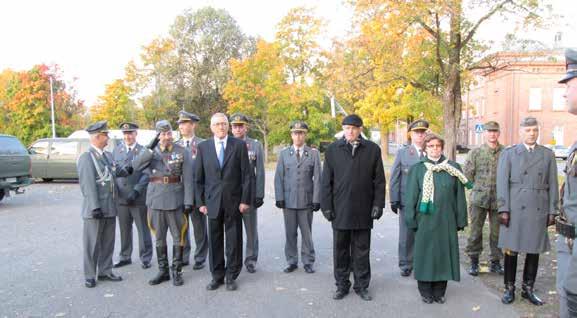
{"points": [[481, 169]]}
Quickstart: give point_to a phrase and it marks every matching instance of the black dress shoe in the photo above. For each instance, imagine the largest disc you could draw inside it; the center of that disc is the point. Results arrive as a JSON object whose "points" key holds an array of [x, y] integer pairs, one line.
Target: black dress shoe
{"points": [[213, 285], [309, 269], [231, 285], [196, 266], [406, 272], [440, 299], [250, 268], [90, 283], [528, 293], [110, 277], [122, 263], [427, 299], [291, 268], [146, 265], [340, 294], [509, 295], [364, 294]]}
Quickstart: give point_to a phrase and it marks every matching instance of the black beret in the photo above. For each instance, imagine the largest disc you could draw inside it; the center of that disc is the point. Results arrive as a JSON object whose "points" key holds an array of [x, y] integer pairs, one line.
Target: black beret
{"points": [[353, 120]]}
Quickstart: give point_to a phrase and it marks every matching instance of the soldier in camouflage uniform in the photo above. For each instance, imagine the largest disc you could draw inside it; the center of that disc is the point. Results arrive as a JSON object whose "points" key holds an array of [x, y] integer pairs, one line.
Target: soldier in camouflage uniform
{"points": [[481, 169]]}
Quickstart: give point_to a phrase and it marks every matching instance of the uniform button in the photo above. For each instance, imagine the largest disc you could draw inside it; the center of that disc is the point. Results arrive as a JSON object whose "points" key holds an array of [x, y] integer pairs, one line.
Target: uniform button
{"points": [[523, 208], [525, 172]]}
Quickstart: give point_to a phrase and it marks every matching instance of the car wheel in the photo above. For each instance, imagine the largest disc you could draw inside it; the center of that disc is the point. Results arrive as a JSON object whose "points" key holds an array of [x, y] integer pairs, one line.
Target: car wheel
{"points": [[47, 179], [1, 195]]}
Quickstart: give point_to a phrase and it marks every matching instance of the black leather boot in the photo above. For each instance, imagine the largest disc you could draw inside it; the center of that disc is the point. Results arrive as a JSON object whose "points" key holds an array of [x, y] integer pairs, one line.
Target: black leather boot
{"points": [[510, 273], [163, 274], [529, 275], [474, 269], [177, 266]]}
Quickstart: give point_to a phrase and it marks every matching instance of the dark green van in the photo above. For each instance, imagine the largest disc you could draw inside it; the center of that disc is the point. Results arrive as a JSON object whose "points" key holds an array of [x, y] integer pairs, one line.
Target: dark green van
{"points": [[55, 158], [15, 165]]}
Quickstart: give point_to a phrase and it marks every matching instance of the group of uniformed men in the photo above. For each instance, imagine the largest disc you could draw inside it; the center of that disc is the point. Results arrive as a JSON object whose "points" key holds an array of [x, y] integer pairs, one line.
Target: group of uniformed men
{"points": [[219, 183]]}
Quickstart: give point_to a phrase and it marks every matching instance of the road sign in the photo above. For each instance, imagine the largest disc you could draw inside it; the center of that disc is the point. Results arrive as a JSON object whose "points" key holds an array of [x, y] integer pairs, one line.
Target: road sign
{"points": [[478, 128]]}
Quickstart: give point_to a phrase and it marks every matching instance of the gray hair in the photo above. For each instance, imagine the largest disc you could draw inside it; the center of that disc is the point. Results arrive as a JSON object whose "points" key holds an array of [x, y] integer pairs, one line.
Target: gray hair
{"points": [[217, 115]]}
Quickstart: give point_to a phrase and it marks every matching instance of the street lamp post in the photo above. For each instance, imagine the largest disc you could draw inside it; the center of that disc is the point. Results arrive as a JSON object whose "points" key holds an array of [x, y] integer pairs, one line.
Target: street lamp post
{"points": [[52, 107]]}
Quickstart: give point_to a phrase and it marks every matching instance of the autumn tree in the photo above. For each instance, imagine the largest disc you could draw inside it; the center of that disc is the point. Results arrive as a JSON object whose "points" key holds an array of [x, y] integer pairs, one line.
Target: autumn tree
{"points": [[115, 106]]}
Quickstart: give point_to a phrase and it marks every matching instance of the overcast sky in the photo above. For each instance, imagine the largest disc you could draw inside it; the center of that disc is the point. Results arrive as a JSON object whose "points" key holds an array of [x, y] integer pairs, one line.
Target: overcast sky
{"points": [[93, 40]]}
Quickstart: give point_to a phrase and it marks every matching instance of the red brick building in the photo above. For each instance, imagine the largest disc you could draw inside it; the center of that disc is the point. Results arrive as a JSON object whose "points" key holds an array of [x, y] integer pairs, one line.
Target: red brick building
{"points": [[521, 84]]}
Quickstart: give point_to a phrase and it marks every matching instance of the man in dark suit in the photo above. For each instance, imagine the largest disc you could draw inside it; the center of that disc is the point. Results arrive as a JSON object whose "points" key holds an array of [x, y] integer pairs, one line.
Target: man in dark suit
{"points": [[222, 171]]}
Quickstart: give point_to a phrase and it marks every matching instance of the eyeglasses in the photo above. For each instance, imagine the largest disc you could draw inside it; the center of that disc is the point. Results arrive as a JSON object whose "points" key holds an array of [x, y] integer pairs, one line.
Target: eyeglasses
{"points": [[220, 124]]}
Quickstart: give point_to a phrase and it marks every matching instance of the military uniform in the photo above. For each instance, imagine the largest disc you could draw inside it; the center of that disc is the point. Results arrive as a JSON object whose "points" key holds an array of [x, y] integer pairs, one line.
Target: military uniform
{"points": [[406, 157], [528, 191], [297, 191], [96, 173], [250, 218], [197, 219], [131, 203], [169, 191], [481, 169], [566, 249]]}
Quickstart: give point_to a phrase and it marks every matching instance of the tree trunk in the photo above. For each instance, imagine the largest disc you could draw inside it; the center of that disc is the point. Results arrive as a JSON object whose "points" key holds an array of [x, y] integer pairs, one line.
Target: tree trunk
{"points": [[384, 143], [452, 102]]}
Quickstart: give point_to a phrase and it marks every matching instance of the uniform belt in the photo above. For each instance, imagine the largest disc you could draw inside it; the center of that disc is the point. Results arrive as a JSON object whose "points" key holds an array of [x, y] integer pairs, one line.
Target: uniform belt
{"points": [[166, 179], [530, 186]]}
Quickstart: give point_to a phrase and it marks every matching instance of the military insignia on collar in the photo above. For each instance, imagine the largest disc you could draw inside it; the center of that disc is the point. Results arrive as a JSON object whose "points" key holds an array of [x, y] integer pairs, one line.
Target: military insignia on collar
{"points": [[306, 153], [412, 151]]}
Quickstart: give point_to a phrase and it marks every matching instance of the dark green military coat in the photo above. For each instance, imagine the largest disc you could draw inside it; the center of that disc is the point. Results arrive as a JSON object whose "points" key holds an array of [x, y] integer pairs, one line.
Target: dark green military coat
{"points": [[436, 255]]}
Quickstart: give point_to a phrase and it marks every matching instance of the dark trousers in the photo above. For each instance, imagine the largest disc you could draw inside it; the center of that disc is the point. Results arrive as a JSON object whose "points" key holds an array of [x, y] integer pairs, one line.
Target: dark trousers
{"points": [[225, 235], [351, 251], [432, 289], [529, 271]]}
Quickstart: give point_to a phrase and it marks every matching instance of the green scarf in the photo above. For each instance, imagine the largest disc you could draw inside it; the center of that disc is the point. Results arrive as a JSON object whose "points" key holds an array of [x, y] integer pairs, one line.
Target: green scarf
{"points": [[427, 205]]}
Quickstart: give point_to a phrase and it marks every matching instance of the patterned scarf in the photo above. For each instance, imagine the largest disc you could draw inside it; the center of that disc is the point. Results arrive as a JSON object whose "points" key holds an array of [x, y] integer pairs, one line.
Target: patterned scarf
{"points": [[427, 205]]}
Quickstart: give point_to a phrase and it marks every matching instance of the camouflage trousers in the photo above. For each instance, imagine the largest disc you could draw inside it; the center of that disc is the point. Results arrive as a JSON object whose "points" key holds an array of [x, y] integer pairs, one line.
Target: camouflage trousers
{"points": [[475, 241]]}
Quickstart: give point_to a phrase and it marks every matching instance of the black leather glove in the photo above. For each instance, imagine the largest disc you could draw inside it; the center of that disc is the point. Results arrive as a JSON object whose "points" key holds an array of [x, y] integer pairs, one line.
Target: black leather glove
{"points": [[129, 169], [132, 197], [395, 206], [376, 212], [187, 209], [154, 142], [329, 215], [316, 207], [504, 218], [258, 202], [280, 204], [97, 213]]}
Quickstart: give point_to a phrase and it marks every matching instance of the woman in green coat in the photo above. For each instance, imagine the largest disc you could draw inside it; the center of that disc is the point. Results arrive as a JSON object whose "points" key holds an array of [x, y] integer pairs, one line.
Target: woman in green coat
{"points": [[436, 209]]}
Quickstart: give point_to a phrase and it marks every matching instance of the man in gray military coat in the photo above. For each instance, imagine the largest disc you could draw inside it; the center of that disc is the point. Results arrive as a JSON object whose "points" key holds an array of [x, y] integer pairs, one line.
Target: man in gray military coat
{"points": [[131, 201], [96, 173], [187, 123], [407, 156], [527, 199], [168, 198], [239, 123], [566, 250], [297, 183]]}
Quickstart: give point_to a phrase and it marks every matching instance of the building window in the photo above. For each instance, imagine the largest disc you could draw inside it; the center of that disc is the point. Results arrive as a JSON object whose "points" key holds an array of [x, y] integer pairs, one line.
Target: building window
{"points": [[559, 101], [535, 99]]}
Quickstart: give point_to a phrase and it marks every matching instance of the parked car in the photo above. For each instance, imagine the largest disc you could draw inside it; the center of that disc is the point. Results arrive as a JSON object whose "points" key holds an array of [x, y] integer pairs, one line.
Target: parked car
{"points": [[55, 158], [15, 166], [144, 135], [561, 152]]}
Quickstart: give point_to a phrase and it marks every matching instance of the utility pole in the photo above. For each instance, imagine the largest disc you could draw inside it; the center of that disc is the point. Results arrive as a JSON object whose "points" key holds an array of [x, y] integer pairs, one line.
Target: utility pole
{"points": [[52, 107]]}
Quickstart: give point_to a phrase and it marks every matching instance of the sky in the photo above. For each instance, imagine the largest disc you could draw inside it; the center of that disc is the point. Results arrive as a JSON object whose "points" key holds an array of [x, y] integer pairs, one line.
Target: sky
{"points": [[92, 41]]}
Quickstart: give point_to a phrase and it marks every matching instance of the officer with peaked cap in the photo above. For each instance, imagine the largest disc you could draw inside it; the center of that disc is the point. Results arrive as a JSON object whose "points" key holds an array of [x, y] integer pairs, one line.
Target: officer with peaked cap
{"points": [[187, 123], [297, 184], [239, 123], [527, 200], [352, 197], [131, 201], [168, 198], [566, 250], [96, 174], [406, 156]]}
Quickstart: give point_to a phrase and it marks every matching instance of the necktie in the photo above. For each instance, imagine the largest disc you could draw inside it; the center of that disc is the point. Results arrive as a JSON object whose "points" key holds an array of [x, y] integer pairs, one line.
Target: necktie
{"points": [[187, 144], [298, 155], [530, 150], [221, 154]]}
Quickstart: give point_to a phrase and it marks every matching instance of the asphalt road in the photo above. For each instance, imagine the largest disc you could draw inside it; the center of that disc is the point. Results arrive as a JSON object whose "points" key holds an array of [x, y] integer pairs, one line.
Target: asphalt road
{"points": [[41, 273]]}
